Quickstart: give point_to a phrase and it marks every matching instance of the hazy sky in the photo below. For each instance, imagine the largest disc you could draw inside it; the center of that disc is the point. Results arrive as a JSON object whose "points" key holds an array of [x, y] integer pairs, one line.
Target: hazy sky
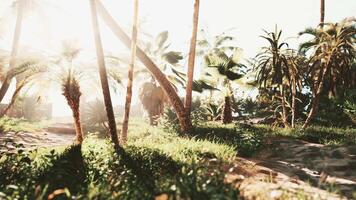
{"points": [[70, 19]]}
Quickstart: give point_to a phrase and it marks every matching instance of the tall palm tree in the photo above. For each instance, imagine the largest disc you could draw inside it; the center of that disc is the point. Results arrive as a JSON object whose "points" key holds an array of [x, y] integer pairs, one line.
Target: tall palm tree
{"points": [[15, 46], [331, 61], [169, 90], [125, 123], [103, 74], [191, 60]]}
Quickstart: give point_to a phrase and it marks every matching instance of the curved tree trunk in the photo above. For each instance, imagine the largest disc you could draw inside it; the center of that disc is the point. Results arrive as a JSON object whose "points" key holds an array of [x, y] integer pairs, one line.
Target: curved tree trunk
{"points": [[315, 100], [15, 46], [103, 74], [18, 89], [125, 124], [176, 102], [191, 60]]}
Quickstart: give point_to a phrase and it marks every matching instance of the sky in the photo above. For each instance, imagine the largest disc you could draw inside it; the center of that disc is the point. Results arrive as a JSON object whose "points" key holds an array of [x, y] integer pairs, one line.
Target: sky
{"points": [[245, 20]]}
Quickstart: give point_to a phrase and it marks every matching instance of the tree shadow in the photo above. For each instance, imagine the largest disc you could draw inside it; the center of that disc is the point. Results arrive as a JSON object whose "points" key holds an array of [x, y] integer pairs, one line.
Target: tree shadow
{"points": [[142, 168], [322, 166], [64, 171], [246, 139]]}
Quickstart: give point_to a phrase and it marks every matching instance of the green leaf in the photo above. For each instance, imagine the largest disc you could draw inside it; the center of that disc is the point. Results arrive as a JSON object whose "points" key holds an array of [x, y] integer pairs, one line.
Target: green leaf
{"points": [[161, 39], [172, 57]]}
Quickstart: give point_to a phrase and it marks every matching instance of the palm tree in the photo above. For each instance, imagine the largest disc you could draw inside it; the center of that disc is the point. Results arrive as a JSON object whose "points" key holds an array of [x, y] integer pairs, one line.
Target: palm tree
{"points": [[191, 60], [125, 123], [331, 60], [296, 64], [15, 46], [230, 69], [103, 74], [25, 73], [273, 68], [169, 90], [71, 92]]}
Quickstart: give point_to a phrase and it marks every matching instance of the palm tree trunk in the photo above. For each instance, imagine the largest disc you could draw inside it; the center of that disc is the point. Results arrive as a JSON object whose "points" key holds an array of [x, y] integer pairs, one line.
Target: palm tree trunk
{"points": [[125, 124], [322, 13], [103, 75], [227, 112], [19, 87], [15, 46], [315, 100], [284, 109], [185, 122], [191, 60], [294, 93], [77, 124]]}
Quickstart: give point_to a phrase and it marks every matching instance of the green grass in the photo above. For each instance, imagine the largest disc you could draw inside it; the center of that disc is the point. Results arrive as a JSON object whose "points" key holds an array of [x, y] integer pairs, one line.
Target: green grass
{"points": [[315, 134], [153, 163], [8, 124]]}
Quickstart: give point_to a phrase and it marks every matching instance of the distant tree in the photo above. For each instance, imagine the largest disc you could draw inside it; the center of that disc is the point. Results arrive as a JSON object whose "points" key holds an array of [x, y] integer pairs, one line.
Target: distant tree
{"points": [[229, 69], [15, 46]]}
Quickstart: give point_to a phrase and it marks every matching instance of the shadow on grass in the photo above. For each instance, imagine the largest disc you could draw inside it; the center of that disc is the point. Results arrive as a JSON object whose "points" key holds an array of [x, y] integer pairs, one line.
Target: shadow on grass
{"points": [[147, 173], [65, 173], [141, 170], [245, 138]]}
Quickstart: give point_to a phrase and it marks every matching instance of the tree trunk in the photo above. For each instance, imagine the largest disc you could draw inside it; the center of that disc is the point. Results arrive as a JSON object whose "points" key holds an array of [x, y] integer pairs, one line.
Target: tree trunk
{"points": [[191, 60], [322, 13], [77, 124], [315, 100], [125, 124], [227, 112], [185, 122], [14, 97], [15, 46], [294, 93], [103, 75], [284, 109]]}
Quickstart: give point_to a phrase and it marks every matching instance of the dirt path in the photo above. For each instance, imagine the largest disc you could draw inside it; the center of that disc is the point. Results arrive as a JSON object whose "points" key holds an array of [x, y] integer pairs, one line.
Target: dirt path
{"points": [[57, 134], [294, 169]]}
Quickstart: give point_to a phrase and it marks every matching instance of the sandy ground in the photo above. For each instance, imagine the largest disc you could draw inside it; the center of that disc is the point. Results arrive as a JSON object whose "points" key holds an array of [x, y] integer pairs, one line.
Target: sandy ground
{"points": [[295, 169]]}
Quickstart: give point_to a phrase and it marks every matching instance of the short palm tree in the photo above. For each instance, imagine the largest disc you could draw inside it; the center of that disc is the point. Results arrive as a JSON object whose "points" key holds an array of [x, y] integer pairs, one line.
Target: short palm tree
{"points": [[228, 69], [71, 92], [273, 70]]}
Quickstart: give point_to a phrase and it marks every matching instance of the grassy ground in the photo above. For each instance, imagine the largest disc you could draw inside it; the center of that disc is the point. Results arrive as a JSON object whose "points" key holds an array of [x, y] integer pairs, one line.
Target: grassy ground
{"points": [[154, 162], [314, 134], [8, 124]]}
